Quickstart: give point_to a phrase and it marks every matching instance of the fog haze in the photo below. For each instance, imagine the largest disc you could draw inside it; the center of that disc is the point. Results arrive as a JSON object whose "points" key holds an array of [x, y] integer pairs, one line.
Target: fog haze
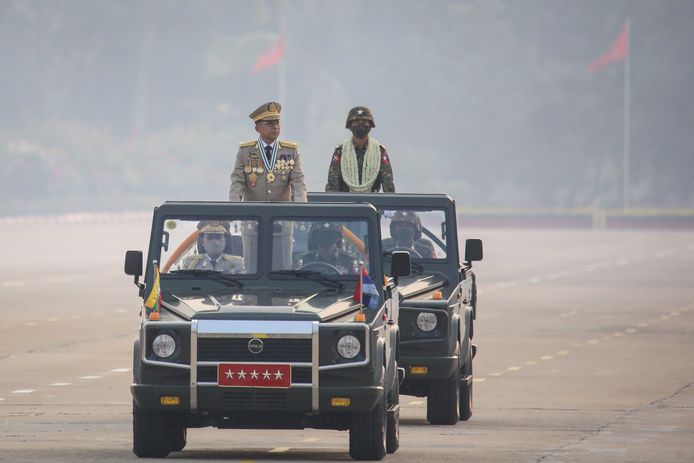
{"points": [[122, 105]]}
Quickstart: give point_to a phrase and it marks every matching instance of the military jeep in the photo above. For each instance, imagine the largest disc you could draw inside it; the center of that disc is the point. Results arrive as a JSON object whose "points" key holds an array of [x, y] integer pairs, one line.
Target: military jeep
{"points": [[438, 303], [251, 319]]}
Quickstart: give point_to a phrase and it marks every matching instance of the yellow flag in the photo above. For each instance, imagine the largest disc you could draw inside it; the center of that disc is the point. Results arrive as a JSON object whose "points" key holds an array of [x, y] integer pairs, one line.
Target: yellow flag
{"points": [[154, 299]]}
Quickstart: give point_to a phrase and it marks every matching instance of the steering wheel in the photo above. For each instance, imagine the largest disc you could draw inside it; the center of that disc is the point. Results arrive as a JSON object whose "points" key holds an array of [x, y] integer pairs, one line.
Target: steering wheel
{"points": [[413, 253], [322, 267]]}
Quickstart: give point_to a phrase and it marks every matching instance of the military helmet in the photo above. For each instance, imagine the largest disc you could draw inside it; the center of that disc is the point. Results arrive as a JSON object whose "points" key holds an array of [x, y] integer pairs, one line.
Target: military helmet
{"points": [[360, 113], [326, 233], [409, 217]]}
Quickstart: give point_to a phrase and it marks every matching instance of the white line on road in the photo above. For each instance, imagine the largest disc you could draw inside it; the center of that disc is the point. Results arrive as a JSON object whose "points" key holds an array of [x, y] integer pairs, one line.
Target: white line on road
{"points": [[531, 362], [563, 352], [60, 384], [120, 370], [478, 380], [11, 283], [90, 377], [546, 357], [593, 341], [495, 374], [23, 391], [514, 368]]}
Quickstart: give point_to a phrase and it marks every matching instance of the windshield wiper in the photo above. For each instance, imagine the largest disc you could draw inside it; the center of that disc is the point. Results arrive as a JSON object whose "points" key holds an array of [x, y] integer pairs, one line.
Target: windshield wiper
{"points": [[313, 276], [212, 275]]}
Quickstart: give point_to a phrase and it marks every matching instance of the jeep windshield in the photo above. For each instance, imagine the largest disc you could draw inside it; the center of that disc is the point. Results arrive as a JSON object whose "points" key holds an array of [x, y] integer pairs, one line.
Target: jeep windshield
{"points": [[209, 247], [421, 232], [316, 248]]}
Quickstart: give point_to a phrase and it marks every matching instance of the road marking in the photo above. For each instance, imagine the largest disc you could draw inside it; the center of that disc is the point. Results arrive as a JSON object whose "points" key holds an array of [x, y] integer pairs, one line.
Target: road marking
{"points": [[23, 391], [577, 345], [495, 374], [1, 399], [13, 283], [121, 311], [311, 439], [120, 370], [563, 352], [54, 319], [618, 334], [478, 380], [631, 330], [514, 368], [279, 450], [593, 341], [60, 384], [642, 325], [416, 402], [90, 377], [531, 362], [546, 357], [532, 281], [665, 317], [675, 313], [31, 323]]}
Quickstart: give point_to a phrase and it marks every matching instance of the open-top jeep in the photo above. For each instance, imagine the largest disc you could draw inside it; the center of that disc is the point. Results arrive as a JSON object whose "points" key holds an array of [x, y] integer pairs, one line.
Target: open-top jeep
{"points": [[438, 300], [251, 318]]}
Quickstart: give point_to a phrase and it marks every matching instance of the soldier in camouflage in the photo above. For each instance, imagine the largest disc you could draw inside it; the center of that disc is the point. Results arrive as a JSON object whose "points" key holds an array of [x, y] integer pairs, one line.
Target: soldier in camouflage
{"points": [[406, 233], [360, 163], [326, 247]]}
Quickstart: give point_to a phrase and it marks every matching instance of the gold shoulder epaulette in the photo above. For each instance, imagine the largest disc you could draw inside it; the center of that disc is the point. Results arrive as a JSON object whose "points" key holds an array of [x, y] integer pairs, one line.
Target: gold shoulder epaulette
{"points": [[288, 144], [246, 144]]}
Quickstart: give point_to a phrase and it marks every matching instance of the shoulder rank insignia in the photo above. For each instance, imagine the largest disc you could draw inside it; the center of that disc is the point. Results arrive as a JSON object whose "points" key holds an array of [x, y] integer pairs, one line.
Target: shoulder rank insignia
{"points": [[246, 144], [288, 144]]}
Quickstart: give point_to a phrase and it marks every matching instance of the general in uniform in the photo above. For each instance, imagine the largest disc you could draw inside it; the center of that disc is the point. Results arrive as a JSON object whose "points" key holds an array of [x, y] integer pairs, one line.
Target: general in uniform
{"points": [[267, 169], [360, 163], [214, 258]]}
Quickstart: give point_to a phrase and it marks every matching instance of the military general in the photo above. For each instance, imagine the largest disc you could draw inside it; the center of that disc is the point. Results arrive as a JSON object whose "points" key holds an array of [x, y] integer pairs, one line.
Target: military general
{"points": [[360, 163], [267, 169]]}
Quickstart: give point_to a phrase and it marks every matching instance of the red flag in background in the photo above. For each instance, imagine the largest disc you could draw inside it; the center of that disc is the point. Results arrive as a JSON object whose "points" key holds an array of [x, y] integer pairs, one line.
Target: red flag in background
{"points": [[617, 52], [270, 57]]}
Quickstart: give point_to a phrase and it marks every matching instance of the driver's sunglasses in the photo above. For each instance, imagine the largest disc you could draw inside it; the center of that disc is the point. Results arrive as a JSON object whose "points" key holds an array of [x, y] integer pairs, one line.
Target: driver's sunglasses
{"points": [[270, 123]]}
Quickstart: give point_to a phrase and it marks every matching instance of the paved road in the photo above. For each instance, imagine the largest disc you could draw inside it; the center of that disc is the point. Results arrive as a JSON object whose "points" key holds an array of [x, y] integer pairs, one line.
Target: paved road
{"points": [[586, 348]]}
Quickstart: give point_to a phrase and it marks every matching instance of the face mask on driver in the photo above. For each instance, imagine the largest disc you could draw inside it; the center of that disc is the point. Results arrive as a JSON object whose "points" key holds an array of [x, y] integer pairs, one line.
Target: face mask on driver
{"points": [[403, 234]]}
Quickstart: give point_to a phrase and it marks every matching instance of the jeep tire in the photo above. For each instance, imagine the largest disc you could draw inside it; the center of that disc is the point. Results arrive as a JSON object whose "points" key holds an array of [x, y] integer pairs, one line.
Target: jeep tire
{"points": [[393, 417], [443, 398], [367, 433], [151, 433]]}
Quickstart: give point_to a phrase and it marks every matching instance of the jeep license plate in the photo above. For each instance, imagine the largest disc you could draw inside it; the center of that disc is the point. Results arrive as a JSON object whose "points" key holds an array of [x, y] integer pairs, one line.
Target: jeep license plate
{"points": [[254, 375]]}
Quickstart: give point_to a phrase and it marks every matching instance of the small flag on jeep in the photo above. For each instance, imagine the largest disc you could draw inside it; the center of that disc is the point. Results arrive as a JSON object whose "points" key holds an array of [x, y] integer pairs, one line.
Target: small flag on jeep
{"points": [[366, 292], [154, 299]]}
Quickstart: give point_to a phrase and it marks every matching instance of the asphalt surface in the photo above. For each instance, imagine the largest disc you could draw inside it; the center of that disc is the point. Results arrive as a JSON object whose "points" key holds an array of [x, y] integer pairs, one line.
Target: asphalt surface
{"points": [[586, 353]]}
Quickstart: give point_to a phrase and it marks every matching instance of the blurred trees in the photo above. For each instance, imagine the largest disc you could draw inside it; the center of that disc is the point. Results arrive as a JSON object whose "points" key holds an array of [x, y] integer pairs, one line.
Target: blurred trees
{"points": [[118, 105]]}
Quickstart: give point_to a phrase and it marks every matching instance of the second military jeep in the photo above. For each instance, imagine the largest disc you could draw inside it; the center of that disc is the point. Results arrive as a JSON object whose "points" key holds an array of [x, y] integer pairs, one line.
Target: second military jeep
{"points": [[252, 318], [438, 300]]}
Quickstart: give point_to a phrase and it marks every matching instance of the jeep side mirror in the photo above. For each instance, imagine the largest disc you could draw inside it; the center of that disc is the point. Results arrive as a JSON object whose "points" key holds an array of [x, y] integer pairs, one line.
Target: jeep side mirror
{"points": [[399, 265], [133, 266], [473, 250]]}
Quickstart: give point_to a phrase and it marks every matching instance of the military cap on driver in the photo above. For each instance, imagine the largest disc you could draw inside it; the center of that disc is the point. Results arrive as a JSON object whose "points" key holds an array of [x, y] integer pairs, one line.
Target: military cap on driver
{"points": [[267, 112]]}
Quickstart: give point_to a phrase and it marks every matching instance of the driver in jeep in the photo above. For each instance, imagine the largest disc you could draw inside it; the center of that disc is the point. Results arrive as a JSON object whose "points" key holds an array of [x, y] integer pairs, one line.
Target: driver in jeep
{"points": [[325, 244], [213, 257], [406, 235]]}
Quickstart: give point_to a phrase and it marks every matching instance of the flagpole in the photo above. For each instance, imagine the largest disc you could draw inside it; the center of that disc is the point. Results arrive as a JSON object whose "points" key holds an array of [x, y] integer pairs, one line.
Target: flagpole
{"points": [[627, 118]]}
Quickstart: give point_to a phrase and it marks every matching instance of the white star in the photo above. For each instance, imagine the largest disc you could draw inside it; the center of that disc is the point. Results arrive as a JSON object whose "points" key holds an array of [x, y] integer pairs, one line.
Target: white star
{"points": [[278, 375], [360, 112], [266, 375], [230, 374], [254, 374], [242, 374]]}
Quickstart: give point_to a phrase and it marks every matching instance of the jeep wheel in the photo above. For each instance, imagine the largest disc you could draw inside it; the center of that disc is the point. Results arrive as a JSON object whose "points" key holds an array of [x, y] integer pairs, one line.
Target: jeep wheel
{"points": [[367, 433], [466, 388], [151, 433], [178, 438], [443, 399], [393, 418]]}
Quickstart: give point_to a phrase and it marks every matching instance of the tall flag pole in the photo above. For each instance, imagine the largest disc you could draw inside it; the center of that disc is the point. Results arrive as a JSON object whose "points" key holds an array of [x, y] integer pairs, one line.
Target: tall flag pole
{"points": [[621, 50], [627, 118]]}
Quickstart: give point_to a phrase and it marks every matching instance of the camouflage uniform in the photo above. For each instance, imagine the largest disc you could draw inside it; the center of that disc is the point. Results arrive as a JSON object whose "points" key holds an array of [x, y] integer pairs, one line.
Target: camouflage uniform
{"points": [[346, 264], [384, 179], [422, 246]]}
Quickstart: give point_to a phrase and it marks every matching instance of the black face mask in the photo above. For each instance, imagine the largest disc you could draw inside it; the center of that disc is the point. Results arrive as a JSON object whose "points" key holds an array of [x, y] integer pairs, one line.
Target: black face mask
{"points": [[403, 235], [360, 131]]}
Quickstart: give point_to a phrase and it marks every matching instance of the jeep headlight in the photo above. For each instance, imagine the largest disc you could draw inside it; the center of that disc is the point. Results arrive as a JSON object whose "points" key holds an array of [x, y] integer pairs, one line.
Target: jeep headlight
{"points": [[164, 346], [426, 321], [348, 346]]}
